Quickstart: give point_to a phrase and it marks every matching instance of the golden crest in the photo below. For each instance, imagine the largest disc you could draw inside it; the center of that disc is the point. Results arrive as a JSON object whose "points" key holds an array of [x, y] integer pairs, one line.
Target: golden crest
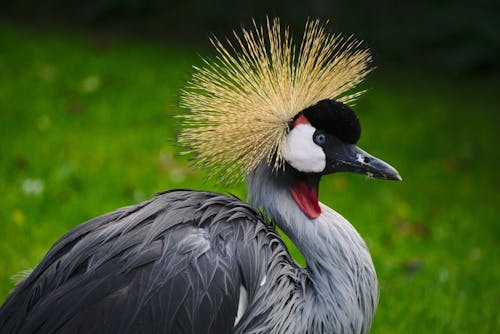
{"points": [[242, 103]]}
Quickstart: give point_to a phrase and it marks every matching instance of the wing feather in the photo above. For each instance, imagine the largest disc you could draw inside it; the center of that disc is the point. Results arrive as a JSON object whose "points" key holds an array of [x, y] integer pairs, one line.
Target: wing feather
{"points": [[166, 265]]}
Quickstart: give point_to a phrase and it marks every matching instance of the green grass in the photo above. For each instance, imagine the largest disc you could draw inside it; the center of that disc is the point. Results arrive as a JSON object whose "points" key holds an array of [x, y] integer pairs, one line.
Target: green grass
{"points": [[89, 120]]}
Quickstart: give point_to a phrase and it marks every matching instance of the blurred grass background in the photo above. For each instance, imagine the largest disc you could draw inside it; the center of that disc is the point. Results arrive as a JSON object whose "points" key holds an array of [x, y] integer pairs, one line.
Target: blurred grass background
{"points": [[86, 126]]}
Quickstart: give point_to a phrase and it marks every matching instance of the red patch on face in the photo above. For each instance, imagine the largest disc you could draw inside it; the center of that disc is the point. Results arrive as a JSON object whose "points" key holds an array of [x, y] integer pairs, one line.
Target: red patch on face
{"points": [[300, 120], [307, 199]]}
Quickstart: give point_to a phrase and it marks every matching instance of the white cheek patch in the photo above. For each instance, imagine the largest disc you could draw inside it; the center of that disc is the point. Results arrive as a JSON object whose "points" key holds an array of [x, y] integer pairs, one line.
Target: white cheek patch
{"points": [[301, 152]]}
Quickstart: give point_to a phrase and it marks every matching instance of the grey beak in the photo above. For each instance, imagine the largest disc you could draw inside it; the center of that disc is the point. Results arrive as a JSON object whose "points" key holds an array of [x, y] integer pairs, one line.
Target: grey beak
{"points": [[350, 158]]}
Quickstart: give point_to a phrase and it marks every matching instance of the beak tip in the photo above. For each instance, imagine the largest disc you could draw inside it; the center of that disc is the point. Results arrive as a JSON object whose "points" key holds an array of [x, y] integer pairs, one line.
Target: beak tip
{"points": [[394, 176]]}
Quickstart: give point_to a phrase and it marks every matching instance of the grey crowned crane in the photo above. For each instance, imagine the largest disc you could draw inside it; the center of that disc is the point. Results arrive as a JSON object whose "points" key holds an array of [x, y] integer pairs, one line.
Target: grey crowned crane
{"points": [[200, 262]]}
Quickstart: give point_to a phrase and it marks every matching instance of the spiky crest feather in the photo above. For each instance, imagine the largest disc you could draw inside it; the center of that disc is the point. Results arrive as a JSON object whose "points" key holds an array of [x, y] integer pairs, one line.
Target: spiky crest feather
{"points": [[243, 102]]}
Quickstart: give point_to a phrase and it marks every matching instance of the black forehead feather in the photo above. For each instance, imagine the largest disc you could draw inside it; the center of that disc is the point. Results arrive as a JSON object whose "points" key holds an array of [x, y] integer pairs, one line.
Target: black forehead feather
{"points": [[335, 118]]}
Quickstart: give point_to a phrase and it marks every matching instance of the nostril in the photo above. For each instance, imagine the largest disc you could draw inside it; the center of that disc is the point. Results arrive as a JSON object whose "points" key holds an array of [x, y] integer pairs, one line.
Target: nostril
{"points": [[362, 159]]}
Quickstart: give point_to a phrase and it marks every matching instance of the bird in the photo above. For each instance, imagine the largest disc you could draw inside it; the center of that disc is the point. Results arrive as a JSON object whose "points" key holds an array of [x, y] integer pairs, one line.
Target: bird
{"points": [[265, 109]]}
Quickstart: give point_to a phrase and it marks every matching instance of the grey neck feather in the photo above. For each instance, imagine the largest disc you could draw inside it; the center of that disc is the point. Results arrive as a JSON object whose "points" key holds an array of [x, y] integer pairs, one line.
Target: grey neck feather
{"points": [[343, 293]]}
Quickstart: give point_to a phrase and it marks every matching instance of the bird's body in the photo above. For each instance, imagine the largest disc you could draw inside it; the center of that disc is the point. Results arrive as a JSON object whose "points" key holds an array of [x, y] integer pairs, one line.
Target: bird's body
{"points": [[199, 262], [184, 257]]}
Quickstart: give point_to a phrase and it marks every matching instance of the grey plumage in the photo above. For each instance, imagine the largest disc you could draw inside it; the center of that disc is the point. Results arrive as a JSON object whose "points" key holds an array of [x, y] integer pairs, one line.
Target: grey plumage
{"points": [[175, 264], [167, 265]]}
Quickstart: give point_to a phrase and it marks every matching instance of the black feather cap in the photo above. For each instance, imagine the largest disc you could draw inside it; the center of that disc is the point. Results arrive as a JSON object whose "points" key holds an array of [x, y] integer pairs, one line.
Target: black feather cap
{"points": [[335, 118]]}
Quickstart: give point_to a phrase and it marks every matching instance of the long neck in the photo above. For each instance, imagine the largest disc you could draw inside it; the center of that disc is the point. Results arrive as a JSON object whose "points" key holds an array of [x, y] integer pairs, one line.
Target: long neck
{"points": [[343, 292]]}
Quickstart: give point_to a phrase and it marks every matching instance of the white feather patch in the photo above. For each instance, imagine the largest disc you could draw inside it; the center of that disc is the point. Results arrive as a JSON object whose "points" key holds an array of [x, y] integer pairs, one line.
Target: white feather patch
{"points": [[242, 304], [301, 152]]}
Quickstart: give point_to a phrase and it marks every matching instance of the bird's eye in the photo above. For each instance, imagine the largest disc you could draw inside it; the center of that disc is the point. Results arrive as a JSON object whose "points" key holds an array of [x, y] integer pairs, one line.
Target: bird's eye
{"points": [[319, 138]]}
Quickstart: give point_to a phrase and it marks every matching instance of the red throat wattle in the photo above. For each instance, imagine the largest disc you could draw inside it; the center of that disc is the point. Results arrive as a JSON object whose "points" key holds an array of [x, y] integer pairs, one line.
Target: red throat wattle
{"points": [[307, 199]]}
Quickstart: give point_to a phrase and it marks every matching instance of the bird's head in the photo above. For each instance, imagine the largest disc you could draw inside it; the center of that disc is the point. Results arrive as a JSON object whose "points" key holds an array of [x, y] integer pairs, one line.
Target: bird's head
{"points": [[322, 140], [264, 100]]}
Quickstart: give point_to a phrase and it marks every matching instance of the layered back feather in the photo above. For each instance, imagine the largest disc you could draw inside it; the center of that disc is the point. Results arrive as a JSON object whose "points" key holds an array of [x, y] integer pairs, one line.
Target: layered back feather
{"points": [[243, 102]]}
